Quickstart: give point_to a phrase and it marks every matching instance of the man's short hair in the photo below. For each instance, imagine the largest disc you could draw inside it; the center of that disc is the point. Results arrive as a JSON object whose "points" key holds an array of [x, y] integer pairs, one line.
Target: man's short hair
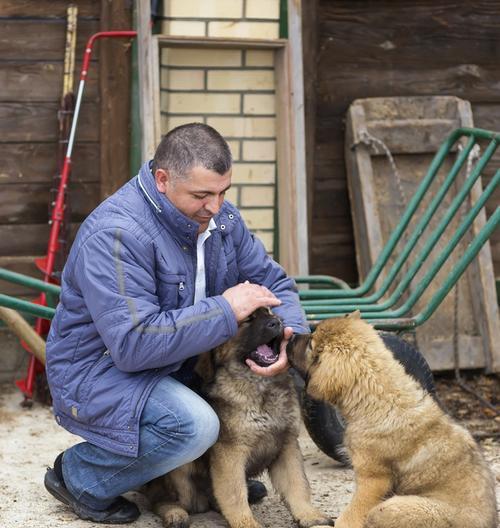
{"points": [[191, 145]]}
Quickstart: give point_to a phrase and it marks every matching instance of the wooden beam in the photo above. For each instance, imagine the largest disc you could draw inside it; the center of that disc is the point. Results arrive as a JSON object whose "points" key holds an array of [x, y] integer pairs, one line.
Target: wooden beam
{"points": [[300, 257], [114, 80], [310, 24], [149, 118], [219, 42]]}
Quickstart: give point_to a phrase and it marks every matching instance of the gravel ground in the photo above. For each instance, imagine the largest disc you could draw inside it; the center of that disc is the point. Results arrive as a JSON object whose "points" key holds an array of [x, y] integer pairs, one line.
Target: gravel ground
{"points": [[30, 439]]}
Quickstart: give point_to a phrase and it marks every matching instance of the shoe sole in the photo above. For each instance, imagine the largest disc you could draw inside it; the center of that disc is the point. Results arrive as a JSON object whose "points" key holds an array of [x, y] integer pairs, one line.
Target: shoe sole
{"points": [[56, 489]]}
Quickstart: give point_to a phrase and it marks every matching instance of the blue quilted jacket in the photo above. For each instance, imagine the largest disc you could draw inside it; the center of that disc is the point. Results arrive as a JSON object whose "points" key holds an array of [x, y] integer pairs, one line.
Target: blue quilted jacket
{"points": [[126, 316]]}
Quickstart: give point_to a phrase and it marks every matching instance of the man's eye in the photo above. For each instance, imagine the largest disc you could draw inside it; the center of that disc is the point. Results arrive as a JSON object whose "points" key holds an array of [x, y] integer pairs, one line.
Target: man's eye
{"points": [[200, 196]]}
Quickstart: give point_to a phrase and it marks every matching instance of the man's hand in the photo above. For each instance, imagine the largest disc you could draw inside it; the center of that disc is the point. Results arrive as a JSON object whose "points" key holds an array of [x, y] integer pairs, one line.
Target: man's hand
{"points": [[246, 298], [280, 365]]}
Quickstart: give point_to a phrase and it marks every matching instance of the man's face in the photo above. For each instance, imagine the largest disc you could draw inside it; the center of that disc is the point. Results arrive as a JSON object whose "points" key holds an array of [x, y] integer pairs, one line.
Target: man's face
{"points": [[199, 196]]}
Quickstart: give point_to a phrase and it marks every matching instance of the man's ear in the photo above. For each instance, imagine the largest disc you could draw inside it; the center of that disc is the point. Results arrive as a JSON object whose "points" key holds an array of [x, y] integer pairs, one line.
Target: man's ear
{"points": [[205, 367], [354, 315], [162, 178]]}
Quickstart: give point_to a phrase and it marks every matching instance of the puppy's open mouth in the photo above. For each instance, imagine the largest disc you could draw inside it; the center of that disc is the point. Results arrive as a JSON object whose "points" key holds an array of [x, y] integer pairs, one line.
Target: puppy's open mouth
{"points": [[267, 354]]}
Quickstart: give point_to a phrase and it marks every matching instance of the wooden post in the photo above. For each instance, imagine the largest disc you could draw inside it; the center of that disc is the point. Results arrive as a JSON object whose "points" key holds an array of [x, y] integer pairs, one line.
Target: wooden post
{"points": [[310, 54], [147, 96], [299, 258], [18, 325], [114, 80]]}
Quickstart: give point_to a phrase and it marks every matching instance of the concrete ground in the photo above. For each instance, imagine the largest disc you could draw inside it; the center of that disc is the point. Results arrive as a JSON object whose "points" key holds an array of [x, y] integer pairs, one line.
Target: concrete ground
{"points": [[30, 439]]}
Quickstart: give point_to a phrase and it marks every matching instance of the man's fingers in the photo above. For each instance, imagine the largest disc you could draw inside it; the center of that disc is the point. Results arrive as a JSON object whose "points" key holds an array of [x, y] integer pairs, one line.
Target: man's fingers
{"points": [[276, 368]]}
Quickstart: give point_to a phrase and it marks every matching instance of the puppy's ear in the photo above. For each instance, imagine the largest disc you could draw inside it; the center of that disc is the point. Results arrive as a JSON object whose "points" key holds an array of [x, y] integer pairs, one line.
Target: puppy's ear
{"points": [[353, 315], [205, 367]]}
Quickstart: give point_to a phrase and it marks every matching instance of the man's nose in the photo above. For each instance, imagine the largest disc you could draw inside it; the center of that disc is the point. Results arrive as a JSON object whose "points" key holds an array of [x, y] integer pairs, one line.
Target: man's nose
{"points": [[213, 205]]}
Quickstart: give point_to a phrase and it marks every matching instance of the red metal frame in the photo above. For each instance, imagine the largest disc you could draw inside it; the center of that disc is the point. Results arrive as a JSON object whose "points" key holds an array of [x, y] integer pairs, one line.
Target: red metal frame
{"points": [[47, 264]]}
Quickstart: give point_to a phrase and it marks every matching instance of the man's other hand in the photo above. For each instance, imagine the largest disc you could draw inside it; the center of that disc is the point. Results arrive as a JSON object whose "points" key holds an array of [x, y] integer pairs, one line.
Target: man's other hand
{"points": [[245, 298], [280, 365]]}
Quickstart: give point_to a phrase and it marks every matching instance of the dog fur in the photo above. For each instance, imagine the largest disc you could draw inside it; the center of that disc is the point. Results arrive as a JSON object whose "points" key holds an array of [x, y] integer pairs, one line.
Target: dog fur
{"points": [[414, 466], [259, 426]]}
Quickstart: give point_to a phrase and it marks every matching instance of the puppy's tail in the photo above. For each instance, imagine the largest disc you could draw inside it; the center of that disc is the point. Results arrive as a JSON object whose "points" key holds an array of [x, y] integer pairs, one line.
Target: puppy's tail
{"points": [[413, 511]]}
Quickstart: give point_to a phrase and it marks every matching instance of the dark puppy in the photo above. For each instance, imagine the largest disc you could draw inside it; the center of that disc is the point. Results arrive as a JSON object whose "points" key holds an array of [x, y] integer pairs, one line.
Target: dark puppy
{"points": [[260, 420]]}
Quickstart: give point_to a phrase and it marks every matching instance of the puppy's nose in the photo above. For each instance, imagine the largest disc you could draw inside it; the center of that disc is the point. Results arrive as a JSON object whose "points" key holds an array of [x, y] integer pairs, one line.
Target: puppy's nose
{"points": [[274, 324]]}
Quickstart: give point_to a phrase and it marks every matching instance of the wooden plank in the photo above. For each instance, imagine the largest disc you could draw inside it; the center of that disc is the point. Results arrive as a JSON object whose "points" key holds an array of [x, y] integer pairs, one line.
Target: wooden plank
{"points": [[39, 81], [478, 321], [41, 39], [114, 78], [362, 193], [29, 203], [299, 260], [37, 162], [393, 35], [284, 154], [25, 239], [219, 42], [47, 8], [310, 46], [339, 87], [148, 113], [28, 122]]}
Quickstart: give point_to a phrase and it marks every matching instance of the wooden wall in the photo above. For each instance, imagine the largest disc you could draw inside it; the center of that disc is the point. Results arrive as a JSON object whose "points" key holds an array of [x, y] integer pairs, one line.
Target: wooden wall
{"points": [[32, 40], [357, 49]]}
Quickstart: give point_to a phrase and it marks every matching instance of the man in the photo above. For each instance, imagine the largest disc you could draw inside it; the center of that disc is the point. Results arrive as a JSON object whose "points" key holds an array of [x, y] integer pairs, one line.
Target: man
{"points": [[161, 271]]}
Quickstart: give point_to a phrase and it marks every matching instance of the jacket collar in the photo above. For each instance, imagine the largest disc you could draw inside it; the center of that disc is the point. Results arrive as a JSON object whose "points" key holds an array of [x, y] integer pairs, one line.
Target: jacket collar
{"points": [[183, 228]]}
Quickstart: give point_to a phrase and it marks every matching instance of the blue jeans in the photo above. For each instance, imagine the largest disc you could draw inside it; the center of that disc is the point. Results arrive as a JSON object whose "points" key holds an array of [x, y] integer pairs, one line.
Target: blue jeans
{"points": [[176, 427]]}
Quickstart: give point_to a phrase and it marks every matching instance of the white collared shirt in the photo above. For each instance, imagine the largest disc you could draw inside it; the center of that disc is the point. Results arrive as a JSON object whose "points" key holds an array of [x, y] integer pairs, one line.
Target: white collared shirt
{"points": [[200, 281]]}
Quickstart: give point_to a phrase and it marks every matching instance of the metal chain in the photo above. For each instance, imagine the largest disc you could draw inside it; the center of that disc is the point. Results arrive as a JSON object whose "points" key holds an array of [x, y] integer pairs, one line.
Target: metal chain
{"points": [[368, 139], [365, 138]]}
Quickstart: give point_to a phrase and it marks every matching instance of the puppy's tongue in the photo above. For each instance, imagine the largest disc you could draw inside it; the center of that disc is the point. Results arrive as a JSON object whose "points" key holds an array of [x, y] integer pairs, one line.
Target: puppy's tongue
{"points": [[264, 354]]}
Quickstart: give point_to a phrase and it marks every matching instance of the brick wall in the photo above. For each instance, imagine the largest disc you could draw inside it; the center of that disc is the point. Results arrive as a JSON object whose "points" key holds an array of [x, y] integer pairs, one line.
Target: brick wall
{"points": [[232, 90]]}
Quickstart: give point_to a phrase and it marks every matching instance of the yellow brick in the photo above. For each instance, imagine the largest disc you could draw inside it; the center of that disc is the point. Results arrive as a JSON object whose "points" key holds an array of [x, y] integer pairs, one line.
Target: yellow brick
{"points": [[187, 28], [259, 150], [244, 126], [204, 8], [254, 173], [200, 57], [268, 30], [267, 238], [182, 79], [263, 9], [259, 104], [260, 58], [194, 103], [163, 102], [258, 218], [252, 196], [232, 195], [241, 80], [233, 145], [168, 122]]}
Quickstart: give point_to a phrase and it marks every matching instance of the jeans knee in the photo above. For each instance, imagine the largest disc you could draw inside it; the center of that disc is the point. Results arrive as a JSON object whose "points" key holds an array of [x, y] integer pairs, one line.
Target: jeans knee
{"points": [[205, 427]]}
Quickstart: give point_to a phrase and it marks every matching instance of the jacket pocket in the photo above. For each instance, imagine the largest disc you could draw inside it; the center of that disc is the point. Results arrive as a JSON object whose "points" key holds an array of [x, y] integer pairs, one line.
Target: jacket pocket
{"points": [[82, 390], [172, 290]]}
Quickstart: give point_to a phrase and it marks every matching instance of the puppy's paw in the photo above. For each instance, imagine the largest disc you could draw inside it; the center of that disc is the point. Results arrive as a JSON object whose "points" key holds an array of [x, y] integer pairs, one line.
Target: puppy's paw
{"points": [[319, 523], [313, 519], [173, 516], [246, 522]]}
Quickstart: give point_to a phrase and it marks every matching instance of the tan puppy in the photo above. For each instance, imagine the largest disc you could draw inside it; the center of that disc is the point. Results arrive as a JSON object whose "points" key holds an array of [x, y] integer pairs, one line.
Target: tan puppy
{"points": [[260, 419], [414, 466]]}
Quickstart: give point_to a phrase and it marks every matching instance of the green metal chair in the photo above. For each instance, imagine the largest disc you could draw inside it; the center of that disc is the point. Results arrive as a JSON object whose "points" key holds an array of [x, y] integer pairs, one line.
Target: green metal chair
{"points": [[336, 299]]}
